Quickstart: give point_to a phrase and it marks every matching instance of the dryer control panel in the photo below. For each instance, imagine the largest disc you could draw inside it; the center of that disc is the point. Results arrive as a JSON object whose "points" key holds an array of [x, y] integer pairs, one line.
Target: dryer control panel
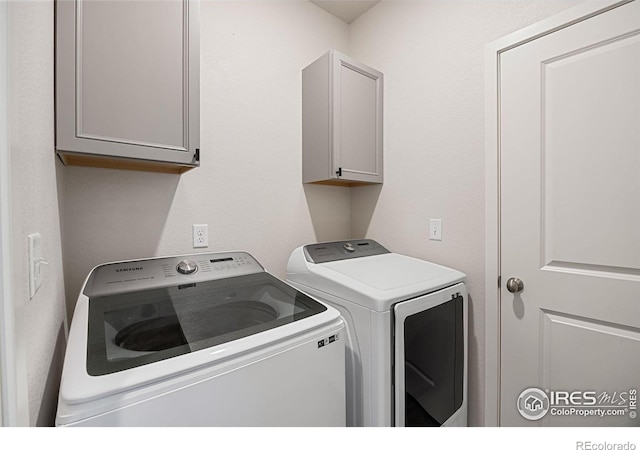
{"points": [[339, 250], [139, 275]]}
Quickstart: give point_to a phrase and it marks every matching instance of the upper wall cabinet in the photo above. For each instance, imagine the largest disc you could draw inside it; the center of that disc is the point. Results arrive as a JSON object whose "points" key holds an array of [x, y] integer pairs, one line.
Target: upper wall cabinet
{"points": [[128, 84], [341, 122]]}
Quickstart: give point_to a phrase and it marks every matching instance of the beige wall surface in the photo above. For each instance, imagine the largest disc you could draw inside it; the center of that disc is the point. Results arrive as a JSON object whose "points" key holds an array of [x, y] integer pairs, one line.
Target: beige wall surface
{"points": [[432, 57], [40, 321], [249, 188]]}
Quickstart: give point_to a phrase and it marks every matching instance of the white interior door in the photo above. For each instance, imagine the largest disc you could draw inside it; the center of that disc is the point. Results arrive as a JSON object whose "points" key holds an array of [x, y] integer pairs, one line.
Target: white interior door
{"points": [[570, 224]]}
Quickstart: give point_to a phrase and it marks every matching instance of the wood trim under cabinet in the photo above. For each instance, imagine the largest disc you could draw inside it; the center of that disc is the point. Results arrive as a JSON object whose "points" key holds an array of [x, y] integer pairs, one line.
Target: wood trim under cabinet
{"points": [[342, 183], [105, 162]]}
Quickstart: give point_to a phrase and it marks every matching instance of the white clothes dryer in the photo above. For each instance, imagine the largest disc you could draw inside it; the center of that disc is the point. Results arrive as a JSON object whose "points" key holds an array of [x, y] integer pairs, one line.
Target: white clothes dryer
{"points": [[200, 340], [406, 331]]}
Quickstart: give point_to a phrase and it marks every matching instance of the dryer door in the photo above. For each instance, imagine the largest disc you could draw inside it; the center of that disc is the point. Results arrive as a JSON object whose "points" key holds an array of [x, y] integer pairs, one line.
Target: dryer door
{"points": [[429, 357]]}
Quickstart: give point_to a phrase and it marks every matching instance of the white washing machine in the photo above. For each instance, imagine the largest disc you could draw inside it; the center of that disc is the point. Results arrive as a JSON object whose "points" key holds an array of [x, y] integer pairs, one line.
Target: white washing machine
{"points": [[200, 340], [406, 331]]}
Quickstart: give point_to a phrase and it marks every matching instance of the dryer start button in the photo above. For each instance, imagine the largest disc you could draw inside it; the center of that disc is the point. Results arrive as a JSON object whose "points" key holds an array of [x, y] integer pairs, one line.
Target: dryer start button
{"points": [[186, 267]]}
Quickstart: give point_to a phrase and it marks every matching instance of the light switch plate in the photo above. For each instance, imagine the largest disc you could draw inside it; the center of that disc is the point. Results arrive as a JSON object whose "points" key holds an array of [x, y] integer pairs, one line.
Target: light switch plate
{"points": [[435, 229], [36, 261]]}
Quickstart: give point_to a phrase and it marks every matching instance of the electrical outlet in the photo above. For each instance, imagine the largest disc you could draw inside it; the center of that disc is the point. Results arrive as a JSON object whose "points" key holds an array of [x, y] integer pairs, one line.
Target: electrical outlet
{"points": [[200, 235], [435, 229]]}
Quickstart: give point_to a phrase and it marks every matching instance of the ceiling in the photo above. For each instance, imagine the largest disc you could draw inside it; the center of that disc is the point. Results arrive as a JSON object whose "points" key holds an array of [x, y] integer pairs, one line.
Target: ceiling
{"points": [[345, 10]]}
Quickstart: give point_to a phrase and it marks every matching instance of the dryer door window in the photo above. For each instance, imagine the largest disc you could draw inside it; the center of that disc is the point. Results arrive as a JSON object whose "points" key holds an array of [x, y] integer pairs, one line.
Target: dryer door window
{"points": [[138, 328], [429, 358]]}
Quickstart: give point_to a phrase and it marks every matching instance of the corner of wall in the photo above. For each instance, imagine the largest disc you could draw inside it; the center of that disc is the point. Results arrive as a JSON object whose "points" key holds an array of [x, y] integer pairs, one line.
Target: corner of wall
{"points": [[39, 320]]}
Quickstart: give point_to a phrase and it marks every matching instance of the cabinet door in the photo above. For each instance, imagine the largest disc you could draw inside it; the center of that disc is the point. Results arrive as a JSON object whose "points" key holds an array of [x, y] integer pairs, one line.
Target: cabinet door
{"points": [[357, 109], [127, 81]]}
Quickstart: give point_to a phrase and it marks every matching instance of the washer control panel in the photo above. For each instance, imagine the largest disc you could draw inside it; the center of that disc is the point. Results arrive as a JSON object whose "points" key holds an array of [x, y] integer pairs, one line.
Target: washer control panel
{"points": [[348, 246], [144, 274], [187, 267], [339, 250]]}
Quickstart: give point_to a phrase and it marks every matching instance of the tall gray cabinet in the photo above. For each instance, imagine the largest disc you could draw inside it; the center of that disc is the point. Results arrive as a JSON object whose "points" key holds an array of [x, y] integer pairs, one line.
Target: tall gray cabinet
{"points": [[341, 122], [127, 84]]}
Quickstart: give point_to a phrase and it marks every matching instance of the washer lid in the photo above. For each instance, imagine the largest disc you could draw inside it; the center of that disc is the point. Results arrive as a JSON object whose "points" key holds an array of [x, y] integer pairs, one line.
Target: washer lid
{"points": [[377, 282], [132, 329]]}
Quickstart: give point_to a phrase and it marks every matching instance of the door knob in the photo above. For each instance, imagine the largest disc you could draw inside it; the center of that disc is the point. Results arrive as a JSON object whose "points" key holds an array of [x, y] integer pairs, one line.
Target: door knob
{"points": [[515, 285]]}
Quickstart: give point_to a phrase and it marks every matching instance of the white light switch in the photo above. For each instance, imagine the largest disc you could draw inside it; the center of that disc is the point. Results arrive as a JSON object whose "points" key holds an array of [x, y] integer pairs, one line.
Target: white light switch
{"points": [[200, 235], [36, 261], [435, 229]]}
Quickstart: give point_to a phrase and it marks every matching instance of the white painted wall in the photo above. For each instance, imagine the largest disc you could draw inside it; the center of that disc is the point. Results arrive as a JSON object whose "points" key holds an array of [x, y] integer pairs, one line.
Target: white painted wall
{"points": [[39, 322], [432, 56], [248, 188]]}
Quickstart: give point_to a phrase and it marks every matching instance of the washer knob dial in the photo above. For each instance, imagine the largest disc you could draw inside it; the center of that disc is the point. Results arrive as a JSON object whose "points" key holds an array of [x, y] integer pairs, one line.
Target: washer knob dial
{"points": [[186, 267], [349, 247]]}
